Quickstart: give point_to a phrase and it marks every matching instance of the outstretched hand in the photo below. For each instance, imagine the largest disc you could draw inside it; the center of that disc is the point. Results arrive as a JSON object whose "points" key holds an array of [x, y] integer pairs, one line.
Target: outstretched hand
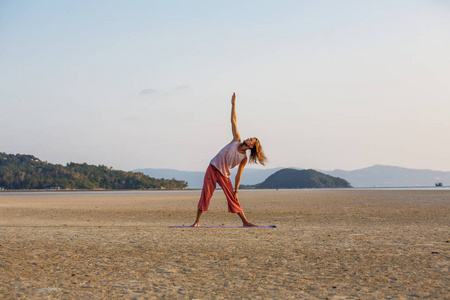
{"points": [[233, 99]]}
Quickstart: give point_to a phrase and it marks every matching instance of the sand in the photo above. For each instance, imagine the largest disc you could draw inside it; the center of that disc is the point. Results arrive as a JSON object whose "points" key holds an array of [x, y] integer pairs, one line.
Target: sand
{"points": [[335, 244]]}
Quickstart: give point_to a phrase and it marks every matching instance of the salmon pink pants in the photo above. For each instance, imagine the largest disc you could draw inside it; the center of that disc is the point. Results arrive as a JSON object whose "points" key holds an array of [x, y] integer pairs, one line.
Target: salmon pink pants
{"points": [[212, 177]]}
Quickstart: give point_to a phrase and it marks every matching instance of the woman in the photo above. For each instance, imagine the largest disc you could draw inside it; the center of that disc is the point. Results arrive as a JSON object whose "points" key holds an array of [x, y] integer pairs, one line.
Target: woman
{"points": [[218, 171]]}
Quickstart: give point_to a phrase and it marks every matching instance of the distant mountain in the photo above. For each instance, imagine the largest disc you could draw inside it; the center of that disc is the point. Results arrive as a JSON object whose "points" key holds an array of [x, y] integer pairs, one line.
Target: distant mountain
{"points": [[299, 179], [195, 178], [378, 175], [390, 176]]}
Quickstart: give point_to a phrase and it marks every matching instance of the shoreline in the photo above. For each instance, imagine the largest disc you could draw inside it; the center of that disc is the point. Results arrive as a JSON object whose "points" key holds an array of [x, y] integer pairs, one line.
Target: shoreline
{"points": [[406, 188]]}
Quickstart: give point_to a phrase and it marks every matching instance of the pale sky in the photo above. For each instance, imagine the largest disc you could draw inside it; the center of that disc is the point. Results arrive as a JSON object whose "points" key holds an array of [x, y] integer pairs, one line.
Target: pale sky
{"points": [[147, 84]]}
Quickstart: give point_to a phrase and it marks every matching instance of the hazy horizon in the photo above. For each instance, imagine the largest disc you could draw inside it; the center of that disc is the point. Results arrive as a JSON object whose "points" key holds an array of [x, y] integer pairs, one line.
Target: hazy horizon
{"points": [[253, 167], [147, 84]]}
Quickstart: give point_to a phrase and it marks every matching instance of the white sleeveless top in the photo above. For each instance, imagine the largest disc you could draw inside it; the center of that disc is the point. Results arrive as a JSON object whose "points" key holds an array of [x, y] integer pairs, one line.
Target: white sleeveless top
{"points": [[228, 158]]}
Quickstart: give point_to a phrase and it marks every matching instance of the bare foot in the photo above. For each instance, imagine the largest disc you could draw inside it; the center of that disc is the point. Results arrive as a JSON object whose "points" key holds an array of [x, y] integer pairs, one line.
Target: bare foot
{"points": [[248, 224], [194, 225]]}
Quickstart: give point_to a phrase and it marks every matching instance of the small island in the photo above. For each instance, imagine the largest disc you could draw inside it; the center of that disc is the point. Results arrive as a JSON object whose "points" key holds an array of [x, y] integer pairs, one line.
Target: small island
{"points": [[301, 179]]}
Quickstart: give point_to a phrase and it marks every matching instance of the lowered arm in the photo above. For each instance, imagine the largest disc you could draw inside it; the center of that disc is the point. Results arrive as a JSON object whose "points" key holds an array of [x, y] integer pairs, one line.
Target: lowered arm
{"points": [[239, 175]]}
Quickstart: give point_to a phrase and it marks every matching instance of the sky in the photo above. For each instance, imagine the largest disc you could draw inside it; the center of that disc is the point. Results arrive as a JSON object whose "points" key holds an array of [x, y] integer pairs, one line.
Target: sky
{"points": [[147, 84]]}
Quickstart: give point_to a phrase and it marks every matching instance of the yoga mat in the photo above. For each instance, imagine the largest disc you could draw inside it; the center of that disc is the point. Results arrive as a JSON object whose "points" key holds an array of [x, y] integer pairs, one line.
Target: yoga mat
{"points": [[182, 226]]}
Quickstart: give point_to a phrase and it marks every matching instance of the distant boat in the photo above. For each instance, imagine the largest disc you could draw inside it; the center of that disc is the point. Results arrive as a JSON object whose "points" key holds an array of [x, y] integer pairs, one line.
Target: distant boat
{"points": [[438, 184]]}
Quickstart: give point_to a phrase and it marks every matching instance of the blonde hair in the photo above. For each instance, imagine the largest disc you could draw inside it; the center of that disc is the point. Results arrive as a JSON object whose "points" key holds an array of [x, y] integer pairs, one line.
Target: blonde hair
{"points": [[257, 154]]}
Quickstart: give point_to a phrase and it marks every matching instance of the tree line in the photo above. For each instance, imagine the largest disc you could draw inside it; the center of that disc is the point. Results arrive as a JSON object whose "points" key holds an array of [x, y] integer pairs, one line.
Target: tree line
{"points": [[28, 172]]}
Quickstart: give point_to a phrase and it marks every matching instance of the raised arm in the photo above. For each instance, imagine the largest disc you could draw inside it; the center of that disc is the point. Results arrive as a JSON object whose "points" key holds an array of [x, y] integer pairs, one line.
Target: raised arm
{"points": [[236, 136]]}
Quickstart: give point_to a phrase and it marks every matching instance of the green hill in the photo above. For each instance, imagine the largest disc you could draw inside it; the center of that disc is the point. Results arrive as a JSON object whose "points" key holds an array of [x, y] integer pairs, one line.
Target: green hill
{"points": [[299, 179], [28, 172]]}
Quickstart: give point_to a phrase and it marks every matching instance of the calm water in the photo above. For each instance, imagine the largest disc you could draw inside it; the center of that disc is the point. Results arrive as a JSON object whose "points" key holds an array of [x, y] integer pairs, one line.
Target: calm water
{"points": [[197, 191]]}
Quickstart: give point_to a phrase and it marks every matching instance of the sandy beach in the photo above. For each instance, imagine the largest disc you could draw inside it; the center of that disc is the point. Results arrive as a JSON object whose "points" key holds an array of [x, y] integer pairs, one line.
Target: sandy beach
{"points": [[335, 244]]}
